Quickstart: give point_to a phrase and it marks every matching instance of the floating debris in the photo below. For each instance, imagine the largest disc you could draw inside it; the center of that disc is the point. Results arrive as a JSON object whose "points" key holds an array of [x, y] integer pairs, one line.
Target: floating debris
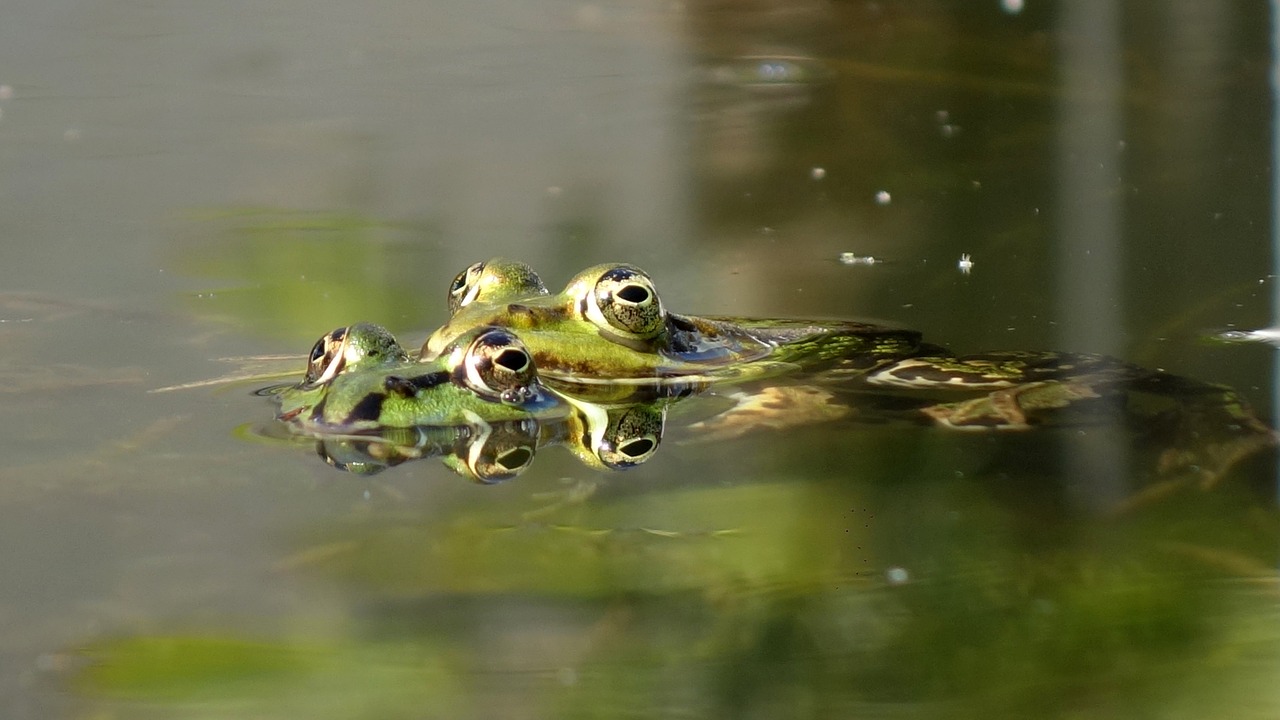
{"points": [[966, 263], [817, 173], [883, 197]]}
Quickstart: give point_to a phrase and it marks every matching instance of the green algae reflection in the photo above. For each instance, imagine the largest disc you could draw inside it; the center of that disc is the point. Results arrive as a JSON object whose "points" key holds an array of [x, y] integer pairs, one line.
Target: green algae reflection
{"points": [[284, 273]]}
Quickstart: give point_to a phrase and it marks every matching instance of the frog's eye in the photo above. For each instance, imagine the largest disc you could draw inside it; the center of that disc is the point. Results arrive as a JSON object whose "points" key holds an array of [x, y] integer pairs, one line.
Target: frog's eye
{"points": [[632, 437], [498, 366], [628, 303], [347, 347], [501, 452], [465, 286], [327, 358]]}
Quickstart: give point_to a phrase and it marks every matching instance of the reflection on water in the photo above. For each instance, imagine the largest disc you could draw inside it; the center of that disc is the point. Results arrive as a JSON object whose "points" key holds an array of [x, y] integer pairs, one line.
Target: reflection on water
{"points": [[157, 565]]}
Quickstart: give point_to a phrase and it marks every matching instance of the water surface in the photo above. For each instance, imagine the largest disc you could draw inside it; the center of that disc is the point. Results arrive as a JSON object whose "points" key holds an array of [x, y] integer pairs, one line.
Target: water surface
{"points": [[182, 183]]}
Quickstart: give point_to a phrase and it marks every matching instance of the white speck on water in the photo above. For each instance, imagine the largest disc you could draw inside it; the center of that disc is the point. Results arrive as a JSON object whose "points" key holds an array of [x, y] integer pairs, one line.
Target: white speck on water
{"points": [[6, 92], [1013, 7], [817, 173], [950, 130], [965, 264], [896, 576], [71, 134], [848, 258], [883, 197], [555, 190], [943, 116], [367, 495]]}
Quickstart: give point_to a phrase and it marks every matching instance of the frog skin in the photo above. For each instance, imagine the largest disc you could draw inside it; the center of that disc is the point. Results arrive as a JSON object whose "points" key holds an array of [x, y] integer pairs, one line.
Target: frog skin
{"points": [[609, 326], [486, 375]]}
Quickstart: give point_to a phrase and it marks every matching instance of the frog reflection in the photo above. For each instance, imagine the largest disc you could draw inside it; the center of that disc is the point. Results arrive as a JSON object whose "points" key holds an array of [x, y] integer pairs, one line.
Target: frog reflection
{"points": [[604, 438]]}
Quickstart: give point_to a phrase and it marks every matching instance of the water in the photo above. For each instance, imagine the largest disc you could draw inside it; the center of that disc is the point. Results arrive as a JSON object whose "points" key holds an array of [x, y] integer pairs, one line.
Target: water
{"points": [[184, 182]]}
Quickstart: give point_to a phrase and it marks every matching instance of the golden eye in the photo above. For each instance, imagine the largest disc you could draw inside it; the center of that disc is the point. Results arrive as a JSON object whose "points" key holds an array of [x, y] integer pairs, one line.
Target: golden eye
{"points": [[327, 358], [498, 464], [492, 280], [498, 366], [628, 302], [496, 452], [465, 286], [631, 437], [348, 347]]}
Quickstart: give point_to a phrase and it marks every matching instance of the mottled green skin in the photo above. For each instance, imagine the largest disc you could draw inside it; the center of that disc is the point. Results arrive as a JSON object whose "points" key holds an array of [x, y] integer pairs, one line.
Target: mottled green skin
{"points": [[410, 394], [404, 396]]}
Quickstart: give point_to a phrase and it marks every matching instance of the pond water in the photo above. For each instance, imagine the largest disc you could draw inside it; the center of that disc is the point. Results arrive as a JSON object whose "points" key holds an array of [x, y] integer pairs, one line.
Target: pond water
{"points": [[184, 185]]}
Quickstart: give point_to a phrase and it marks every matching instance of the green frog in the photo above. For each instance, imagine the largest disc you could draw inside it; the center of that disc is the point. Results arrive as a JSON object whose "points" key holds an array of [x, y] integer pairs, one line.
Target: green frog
{"points": [[480, 407], [595, 367], [356, 381], [609, 327]]}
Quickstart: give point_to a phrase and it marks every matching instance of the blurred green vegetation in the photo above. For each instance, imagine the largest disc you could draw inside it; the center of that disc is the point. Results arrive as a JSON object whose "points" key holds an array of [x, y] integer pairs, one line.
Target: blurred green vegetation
{"points": [[807, 596], [293, 274]]}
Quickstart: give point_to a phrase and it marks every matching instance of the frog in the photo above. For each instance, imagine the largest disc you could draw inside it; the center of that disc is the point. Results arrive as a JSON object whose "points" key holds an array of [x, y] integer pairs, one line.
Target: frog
{"points": [[610, 329], [480, 407], [356, 382], [609, 326], [604, 386]]}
